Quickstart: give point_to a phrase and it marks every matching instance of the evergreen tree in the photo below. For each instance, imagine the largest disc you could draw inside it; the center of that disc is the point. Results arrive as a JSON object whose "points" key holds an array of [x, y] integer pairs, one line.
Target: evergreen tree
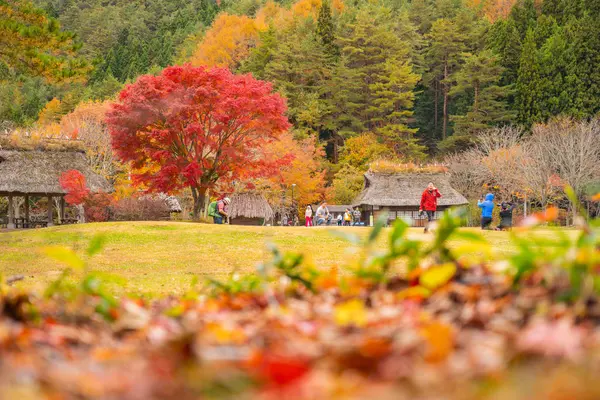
{"points": [[479, 80], [447, 45], [326, 30], [261, 55], [529, 89]]}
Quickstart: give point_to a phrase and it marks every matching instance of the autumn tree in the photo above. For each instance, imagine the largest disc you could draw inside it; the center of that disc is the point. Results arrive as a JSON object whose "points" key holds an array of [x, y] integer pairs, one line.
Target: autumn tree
{"points": [[196, 126], [227, 42], [571, 147], [304, 170], [73, 182]]}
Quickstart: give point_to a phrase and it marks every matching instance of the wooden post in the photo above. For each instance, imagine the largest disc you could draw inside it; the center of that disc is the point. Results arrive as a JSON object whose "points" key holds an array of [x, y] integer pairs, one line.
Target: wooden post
{"points": [[26, 211], [50, 211], [62, 209], [11, 217]]}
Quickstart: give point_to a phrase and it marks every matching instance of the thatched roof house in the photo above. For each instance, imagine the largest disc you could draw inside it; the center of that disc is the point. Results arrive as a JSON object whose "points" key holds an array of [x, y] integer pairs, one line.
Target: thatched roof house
{"points": [[399, 194], [37, 172], [249, 209]]}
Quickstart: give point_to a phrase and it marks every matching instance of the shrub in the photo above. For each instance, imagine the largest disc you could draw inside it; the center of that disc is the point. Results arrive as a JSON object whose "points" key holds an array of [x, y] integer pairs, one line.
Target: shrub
{"points": [[140, 209], [97, 207]]}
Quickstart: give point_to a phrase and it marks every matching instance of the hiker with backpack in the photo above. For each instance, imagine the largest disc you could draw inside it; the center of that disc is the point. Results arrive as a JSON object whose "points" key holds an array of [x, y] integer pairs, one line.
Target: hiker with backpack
{"points": [[217, 210]]}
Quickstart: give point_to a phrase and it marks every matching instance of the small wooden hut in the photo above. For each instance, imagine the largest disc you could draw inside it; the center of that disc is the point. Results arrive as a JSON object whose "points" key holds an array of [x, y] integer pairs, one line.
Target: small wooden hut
{"points": [[399, 195], [36, 173], [249, 209]]}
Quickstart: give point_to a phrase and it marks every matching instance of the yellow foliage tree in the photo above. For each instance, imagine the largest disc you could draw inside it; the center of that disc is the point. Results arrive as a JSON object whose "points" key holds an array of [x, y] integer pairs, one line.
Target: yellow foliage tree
{"points": [[305, 8], [305, 171], [227, 42], [51, 113], [271, 13]]}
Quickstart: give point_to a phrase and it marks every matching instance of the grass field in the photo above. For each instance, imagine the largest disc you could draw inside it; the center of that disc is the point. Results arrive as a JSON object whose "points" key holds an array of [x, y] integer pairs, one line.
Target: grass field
{"points": [[163, 257]]}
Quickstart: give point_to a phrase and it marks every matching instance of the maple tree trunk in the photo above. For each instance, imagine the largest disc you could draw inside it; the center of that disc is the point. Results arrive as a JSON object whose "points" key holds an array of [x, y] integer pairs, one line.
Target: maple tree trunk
{"points": [[199, 195]]}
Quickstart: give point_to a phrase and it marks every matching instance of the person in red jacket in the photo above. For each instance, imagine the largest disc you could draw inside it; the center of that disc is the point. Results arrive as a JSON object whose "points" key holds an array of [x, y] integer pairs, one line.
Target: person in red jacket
{"points": [[429, 203]]}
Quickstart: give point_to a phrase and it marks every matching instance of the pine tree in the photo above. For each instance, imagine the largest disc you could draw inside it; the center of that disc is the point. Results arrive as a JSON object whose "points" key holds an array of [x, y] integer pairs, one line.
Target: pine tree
{"points": [[479, 78]]}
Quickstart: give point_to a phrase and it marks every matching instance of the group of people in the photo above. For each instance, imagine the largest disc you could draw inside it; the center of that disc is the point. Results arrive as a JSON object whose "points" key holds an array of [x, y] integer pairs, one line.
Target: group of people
{"points": [[350, 217], [487, 210]]}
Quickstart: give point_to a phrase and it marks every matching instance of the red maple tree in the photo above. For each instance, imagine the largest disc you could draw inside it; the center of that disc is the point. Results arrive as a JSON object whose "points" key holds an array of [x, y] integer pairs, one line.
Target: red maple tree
{"points": [[192, 126], [73, 182]]}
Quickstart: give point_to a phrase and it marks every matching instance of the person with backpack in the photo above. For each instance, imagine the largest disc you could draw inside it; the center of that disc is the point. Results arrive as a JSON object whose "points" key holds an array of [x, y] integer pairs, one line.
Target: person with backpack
{"points": [[347, 218], [217, 210], [487, 208], [429, 203], [506, 216]]}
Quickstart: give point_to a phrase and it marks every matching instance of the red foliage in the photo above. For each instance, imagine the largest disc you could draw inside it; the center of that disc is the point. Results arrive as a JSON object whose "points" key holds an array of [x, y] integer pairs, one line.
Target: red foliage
{"points": [[97, 207], [192, 126], [73, 182]]}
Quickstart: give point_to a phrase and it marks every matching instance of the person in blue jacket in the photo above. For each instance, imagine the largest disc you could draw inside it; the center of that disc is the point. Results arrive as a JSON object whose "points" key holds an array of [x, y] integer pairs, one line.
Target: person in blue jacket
{"points": [[487, 207]]}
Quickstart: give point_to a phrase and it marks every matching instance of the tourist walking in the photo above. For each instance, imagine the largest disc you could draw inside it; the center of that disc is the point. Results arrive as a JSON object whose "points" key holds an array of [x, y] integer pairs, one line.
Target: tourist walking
{"points": [[487, 209], [308, 216], [429, 203]]}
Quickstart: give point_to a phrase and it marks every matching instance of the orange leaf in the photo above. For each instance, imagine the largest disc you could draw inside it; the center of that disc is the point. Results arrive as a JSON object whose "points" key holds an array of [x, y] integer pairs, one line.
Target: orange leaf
{"points": [[440, 341]]}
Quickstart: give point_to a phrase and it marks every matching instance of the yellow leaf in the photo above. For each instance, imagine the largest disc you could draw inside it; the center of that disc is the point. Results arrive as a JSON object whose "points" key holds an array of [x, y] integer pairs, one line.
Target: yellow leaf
{"points": [[418, 292], [352, 312], [65, 256], [437, 276]]}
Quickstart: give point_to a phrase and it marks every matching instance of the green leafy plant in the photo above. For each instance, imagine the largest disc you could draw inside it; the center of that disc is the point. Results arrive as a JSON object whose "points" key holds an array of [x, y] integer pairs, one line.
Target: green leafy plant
{"points": [[77, 280]]}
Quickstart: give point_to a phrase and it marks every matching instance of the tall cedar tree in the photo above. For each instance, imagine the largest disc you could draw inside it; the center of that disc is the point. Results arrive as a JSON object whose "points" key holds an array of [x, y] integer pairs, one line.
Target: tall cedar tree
{"points": [[326, 30], [529, 95], [447, 44], [196, 126]]}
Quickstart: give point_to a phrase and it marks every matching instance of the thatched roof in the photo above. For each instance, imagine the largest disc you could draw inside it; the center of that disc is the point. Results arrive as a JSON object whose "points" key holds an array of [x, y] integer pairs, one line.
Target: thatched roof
{"points": [[249, 205], [38, 172], [405, 189], [170, 201]]}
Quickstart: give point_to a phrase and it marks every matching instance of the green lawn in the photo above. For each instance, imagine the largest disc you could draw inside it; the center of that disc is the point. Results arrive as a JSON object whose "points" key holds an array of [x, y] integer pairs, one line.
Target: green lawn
{"points": [[163, 257]]}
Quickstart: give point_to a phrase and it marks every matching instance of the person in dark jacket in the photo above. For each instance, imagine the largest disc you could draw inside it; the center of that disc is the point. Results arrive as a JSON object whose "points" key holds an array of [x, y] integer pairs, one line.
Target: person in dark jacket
{"points": [[429, 203], [487, 208], [506, 215]]}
